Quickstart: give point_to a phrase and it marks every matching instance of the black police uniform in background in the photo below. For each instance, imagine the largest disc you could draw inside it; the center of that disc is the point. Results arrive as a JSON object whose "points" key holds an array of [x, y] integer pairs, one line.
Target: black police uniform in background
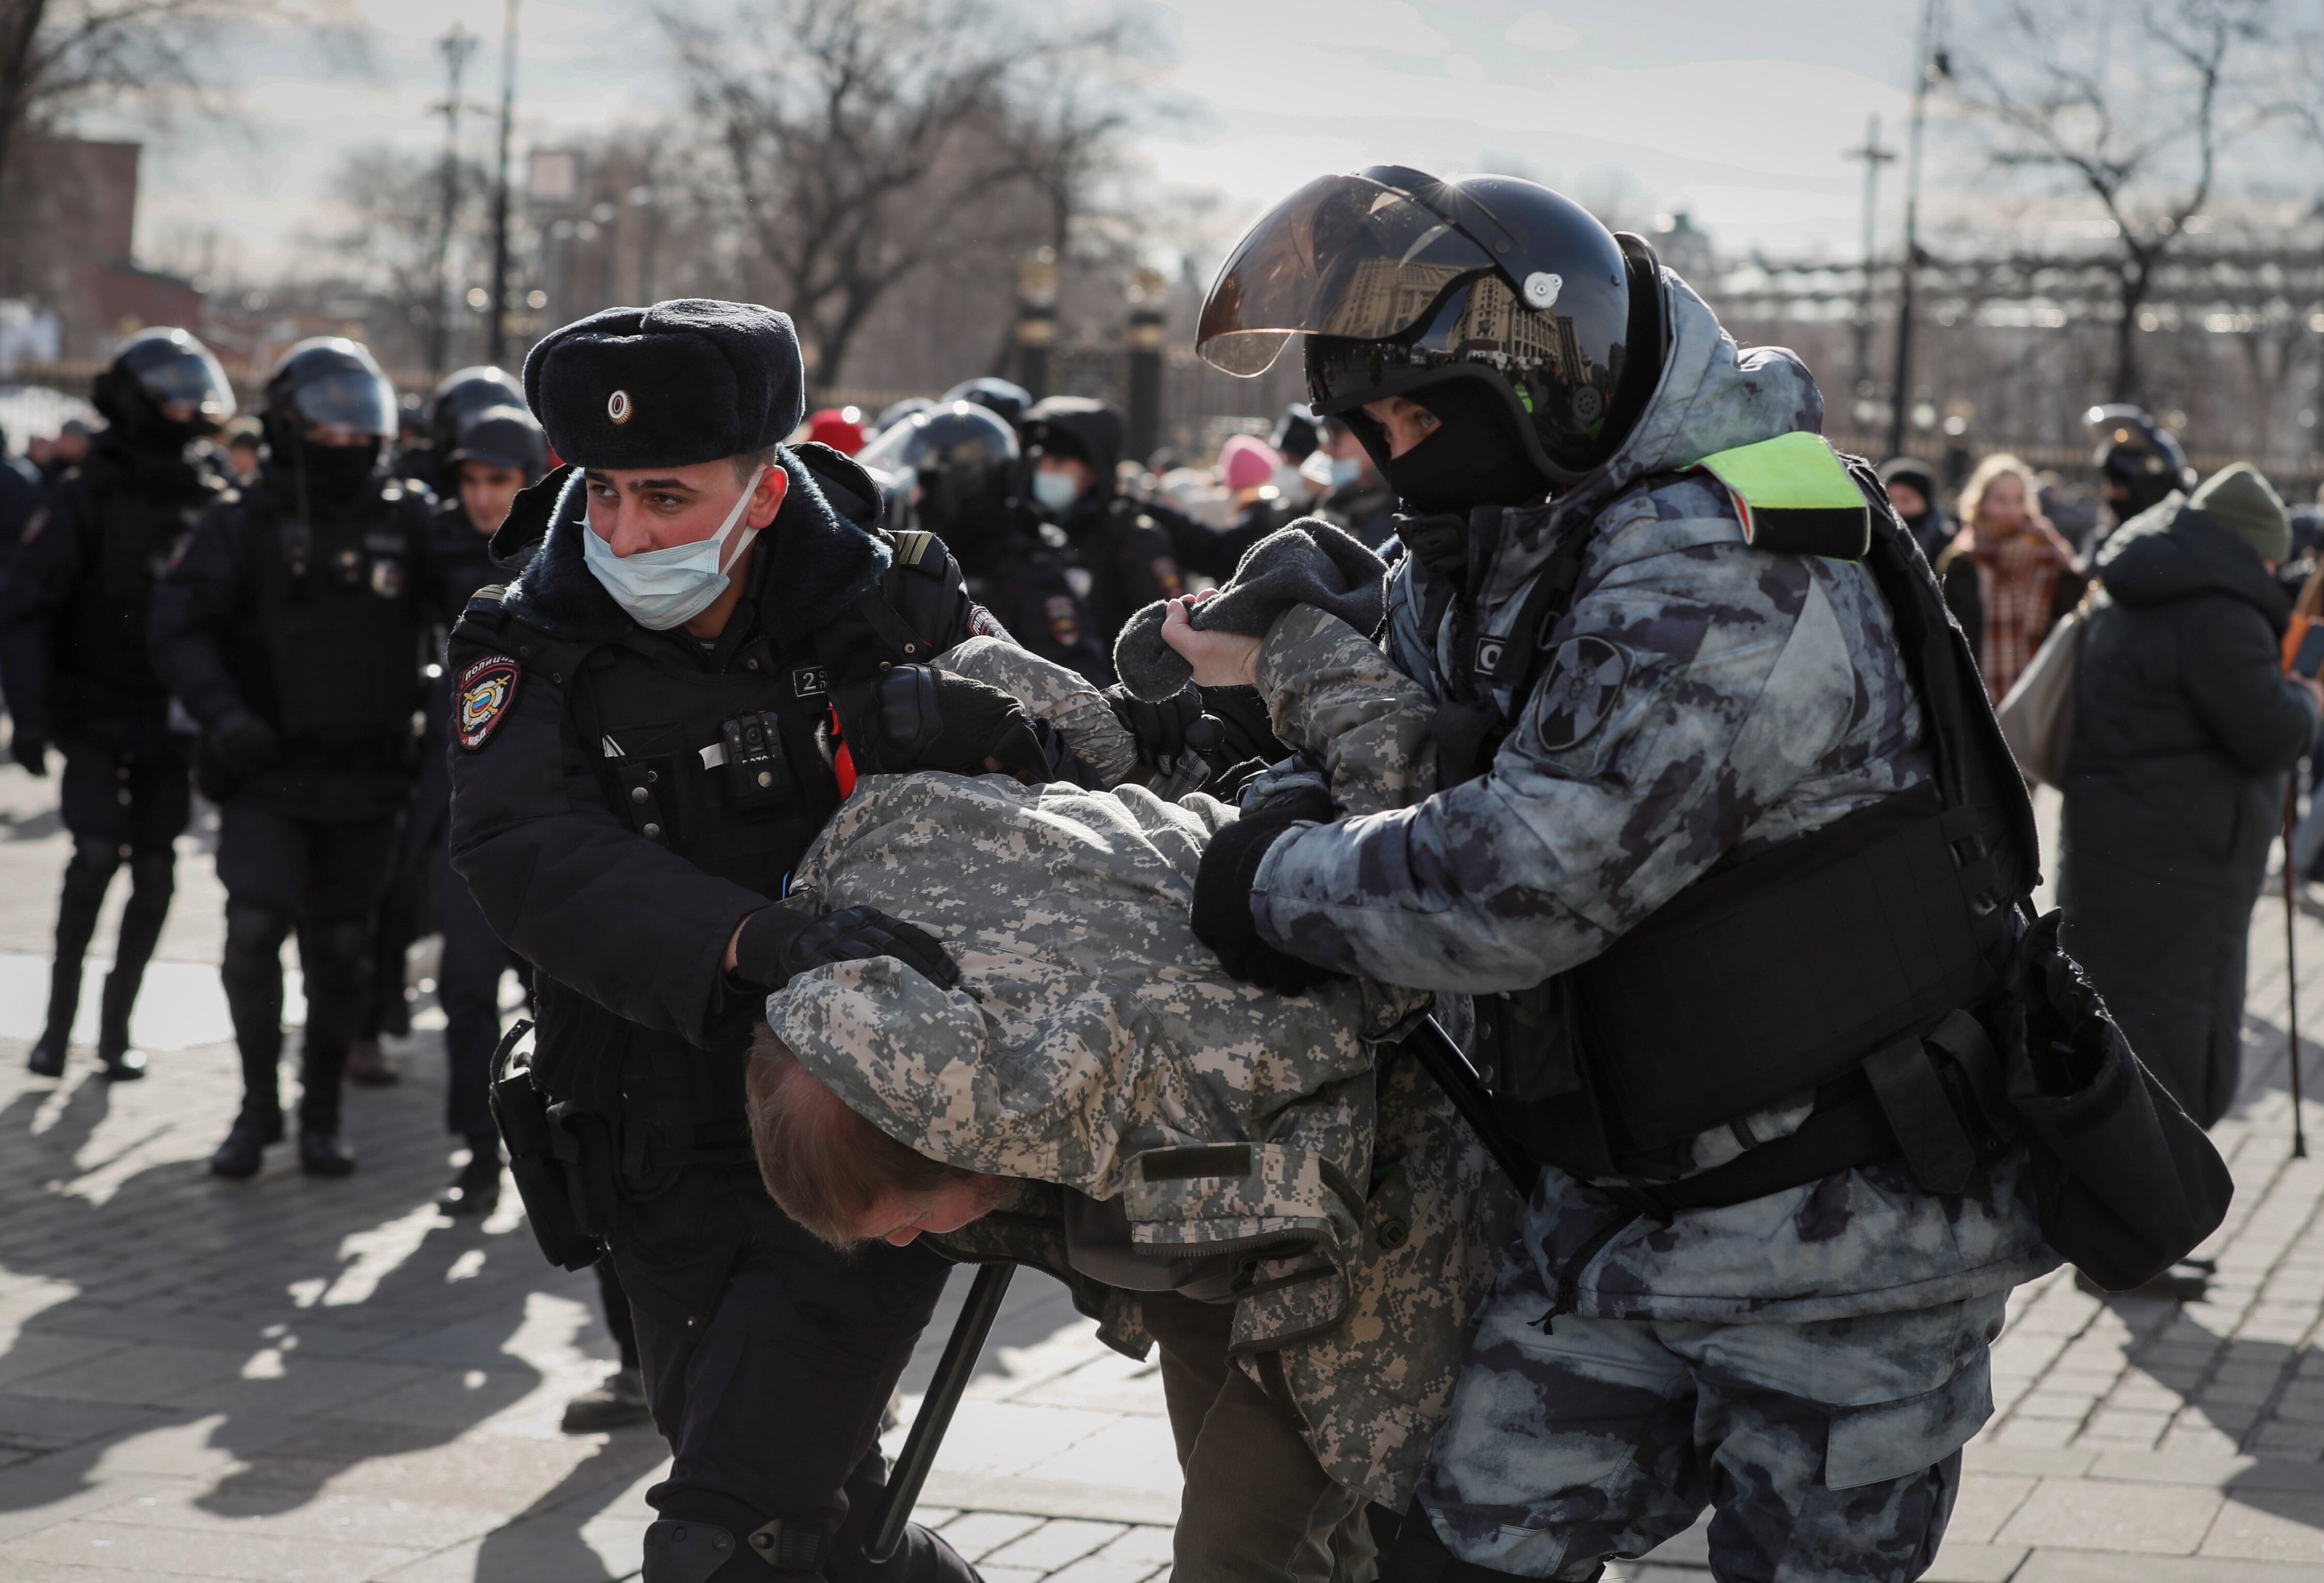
{"points": [[472, 958], [623, 798], [73, 653], [1117, 546], [291, 626], [956, 471], [460, 398]]}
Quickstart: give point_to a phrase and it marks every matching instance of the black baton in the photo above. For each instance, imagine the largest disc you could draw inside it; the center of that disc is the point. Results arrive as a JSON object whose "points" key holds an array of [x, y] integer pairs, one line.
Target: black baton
{"points": [[1466, 1089], [935, 1416]]}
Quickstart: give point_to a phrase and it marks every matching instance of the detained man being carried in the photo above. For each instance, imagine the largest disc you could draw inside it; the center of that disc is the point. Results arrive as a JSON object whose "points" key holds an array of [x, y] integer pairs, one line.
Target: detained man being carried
{"points": [[1262, 1184]]}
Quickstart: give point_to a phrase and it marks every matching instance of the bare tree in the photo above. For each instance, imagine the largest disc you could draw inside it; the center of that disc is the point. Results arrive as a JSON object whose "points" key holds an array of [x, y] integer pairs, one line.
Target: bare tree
{"points": [[867, 140], [2132, 107]]}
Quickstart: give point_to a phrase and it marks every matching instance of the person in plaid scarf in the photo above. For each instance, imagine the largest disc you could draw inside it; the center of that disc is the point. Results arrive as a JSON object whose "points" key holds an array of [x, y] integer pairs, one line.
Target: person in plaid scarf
{"points": [[2008, 576]]}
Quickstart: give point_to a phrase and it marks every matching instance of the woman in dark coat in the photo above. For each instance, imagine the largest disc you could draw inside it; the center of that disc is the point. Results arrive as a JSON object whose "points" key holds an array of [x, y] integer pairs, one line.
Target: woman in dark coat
{"points": [[2184, 725]]}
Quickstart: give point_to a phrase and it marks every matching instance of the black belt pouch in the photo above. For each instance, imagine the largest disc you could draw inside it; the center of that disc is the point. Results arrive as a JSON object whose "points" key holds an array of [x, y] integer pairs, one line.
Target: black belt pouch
{"points": [[2125, 1180], [542, 1182]]}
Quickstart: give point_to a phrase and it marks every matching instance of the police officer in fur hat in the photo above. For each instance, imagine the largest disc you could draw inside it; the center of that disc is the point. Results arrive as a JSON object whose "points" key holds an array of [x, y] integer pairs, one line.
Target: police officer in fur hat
{"points": [[650, 723]]}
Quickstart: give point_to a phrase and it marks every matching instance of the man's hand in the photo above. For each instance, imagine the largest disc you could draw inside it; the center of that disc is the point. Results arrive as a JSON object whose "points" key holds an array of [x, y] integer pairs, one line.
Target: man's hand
{"points": [[915, 717], [245, 747], [1162, 728], [773, 945], [1220, 660], [1222, 886], [30, 748]]}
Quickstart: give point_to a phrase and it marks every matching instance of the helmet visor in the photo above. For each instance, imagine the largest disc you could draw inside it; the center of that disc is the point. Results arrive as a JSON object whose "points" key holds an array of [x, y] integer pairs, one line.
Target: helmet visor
{"points": [[188, 387], [348, 398], [1343, 256]]}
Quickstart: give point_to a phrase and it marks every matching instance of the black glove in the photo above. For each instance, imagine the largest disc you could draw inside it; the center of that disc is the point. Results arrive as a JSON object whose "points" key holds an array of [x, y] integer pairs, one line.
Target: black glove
{"points": [[1222, 916], [30, 748], [777, 943], [915, 717], [1161, 728], [1244, 730], [245, 747]]}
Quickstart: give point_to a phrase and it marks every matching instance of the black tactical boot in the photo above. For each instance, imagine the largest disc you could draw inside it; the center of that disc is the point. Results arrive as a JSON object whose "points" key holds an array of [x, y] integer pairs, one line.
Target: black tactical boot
{"points": [[152, 879], [325, 1153], [476, 1190], [48, 1056], [122, 1063], [238, 1158]]}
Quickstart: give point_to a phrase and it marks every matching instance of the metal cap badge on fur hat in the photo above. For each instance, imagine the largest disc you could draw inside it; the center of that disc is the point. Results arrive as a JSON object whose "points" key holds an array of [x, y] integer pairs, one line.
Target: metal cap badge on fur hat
{"points": [[691, 380]]}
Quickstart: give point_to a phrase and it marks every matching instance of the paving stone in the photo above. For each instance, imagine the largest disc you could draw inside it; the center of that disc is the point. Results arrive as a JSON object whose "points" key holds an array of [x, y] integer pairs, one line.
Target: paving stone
{"points": [[2086, 1514], [2269, 1528], [1054, 1544], [977, 1534], [1985, 1503], [132, 1550], [1975, 1563]]}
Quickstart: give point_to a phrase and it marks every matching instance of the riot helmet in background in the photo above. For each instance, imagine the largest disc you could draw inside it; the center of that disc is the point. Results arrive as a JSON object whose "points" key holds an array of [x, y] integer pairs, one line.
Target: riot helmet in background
{"points": [[464, 395], [998, 395], [331, 383], [163, 390], [950, 471], [1498, 294], [2138, 460]]}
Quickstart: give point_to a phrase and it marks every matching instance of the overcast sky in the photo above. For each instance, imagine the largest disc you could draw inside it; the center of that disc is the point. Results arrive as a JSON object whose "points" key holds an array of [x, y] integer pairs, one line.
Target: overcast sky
{"points": [[1738, 113]]}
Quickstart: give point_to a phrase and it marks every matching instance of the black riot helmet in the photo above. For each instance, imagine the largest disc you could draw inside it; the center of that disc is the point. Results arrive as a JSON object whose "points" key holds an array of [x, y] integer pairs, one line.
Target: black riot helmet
{"points": [[333, 383], [953, 468], [2138, 460], [162, 389], [501, 437], [465, 394], [1397, 281], [998, 395]]}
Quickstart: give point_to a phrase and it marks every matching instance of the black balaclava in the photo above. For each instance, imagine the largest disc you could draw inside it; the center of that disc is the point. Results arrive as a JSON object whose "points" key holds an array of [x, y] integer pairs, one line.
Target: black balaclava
{"points": [[335, 475], [1473, 458]]}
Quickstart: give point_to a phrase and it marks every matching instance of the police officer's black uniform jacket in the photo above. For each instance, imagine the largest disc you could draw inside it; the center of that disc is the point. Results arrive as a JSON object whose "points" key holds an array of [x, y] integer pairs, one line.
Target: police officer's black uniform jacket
{"points": [[601, 845], [74, 605], [311, 617]]}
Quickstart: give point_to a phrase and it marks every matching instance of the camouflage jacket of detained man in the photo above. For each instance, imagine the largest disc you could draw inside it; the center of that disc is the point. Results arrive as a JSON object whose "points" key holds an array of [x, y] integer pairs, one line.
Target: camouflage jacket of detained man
{"points": [[1093, 1043], [1708, 700]]}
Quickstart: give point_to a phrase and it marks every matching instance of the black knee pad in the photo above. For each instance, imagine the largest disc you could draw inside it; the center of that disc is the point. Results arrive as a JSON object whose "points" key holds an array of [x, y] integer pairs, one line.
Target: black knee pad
{"points": [[255, 934], [689, 1550], [921, 1557]]}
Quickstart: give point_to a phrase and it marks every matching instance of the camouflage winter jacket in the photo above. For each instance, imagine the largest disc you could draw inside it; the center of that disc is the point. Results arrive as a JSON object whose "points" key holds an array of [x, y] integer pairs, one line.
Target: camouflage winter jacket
{"points": [[1705, 699], [1093, 1043]]}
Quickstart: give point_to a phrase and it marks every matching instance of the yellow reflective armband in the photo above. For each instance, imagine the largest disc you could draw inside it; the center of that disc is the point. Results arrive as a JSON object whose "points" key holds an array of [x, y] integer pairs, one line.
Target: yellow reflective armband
{"points": [[1794, 495]]}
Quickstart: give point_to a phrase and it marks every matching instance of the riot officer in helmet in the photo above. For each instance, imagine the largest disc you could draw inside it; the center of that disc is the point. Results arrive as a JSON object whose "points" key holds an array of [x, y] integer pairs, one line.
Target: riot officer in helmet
{"points": [[955, 475], [1668, 626], [74, 659], [1002, 397], [2139, 462], [290, 627]]}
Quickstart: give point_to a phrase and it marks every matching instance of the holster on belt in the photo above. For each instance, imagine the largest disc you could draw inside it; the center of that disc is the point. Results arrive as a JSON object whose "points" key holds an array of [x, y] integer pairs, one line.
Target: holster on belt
{"points": [[550, 1156]]}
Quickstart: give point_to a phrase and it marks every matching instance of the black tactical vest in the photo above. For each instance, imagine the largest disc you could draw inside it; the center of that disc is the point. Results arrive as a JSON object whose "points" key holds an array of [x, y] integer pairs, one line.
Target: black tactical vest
{"points": [[130, 520], [1819, 965], [340, 623]]}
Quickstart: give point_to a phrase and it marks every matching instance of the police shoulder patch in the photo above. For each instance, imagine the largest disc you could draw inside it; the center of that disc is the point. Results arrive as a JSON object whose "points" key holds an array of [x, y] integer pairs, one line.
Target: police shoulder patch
{"points": [[487, 688], [1584, 686]]}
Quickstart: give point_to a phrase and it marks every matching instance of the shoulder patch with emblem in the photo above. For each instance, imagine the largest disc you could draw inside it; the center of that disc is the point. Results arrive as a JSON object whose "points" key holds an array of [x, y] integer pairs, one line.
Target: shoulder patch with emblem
{"points": [[1064, 618], [1585, 684], [487, 690]]}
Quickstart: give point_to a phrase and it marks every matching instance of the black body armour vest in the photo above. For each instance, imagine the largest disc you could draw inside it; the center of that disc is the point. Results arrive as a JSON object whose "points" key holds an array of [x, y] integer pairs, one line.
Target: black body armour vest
{"points": [[340, 627], [130, 525], [1825, 964]]}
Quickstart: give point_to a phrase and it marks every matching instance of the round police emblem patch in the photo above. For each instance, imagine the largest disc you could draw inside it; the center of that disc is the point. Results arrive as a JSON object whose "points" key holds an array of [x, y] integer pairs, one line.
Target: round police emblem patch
{"points": [[487, 690], [1584, 686], [617, 406]]}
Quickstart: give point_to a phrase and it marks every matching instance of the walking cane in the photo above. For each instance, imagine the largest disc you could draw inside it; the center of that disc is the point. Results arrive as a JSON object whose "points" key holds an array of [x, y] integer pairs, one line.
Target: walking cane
{"points": [[935, 1416], [2292, 970]]}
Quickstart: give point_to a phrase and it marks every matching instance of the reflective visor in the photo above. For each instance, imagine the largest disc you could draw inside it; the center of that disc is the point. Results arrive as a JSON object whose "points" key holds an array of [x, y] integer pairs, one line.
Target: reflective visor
{"points": [[189, 386], [348, 398], [1343, 256]]}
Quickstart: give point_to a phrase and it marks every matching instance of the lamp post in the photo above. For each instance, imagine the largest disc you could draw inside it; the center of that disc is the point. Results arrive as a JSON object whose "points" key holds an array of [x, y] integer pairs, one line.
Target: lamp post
{"points": [[1145, 315], [1036, 319], [456, 46], [1874, 156], [1934, 66], [496, 321]]}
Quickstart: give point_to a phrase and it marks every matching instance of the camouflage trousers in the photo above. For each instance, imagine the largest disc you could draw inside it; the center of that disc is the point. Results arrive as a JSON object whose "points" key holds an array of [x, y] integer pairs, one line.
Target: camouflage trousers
{"points": [[1829, 1450]]}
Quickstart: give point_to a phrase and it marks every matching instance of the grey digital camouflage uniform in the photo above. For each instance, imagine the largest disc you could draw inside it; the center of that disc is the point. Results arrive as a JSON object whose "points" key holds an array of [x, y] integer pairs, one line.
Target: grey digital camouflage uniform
{"points": [[1707, 698], [1093, 1043]]}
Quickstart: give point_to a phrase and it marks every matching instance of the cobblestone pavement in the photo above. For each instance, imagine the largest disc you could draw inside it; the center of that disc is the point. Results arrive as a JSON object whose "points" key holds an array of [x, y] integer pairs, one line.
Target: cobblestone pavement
{"points": [[292, 1379]]}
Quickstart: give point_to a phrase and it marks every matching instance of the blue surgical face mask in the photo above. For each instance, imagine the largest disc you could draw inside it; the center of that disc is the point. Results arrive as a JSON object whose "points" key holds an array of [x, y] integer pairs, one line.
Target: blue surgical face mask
{"points": [[666, 588], [1346, 470], [1056, 490]]}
